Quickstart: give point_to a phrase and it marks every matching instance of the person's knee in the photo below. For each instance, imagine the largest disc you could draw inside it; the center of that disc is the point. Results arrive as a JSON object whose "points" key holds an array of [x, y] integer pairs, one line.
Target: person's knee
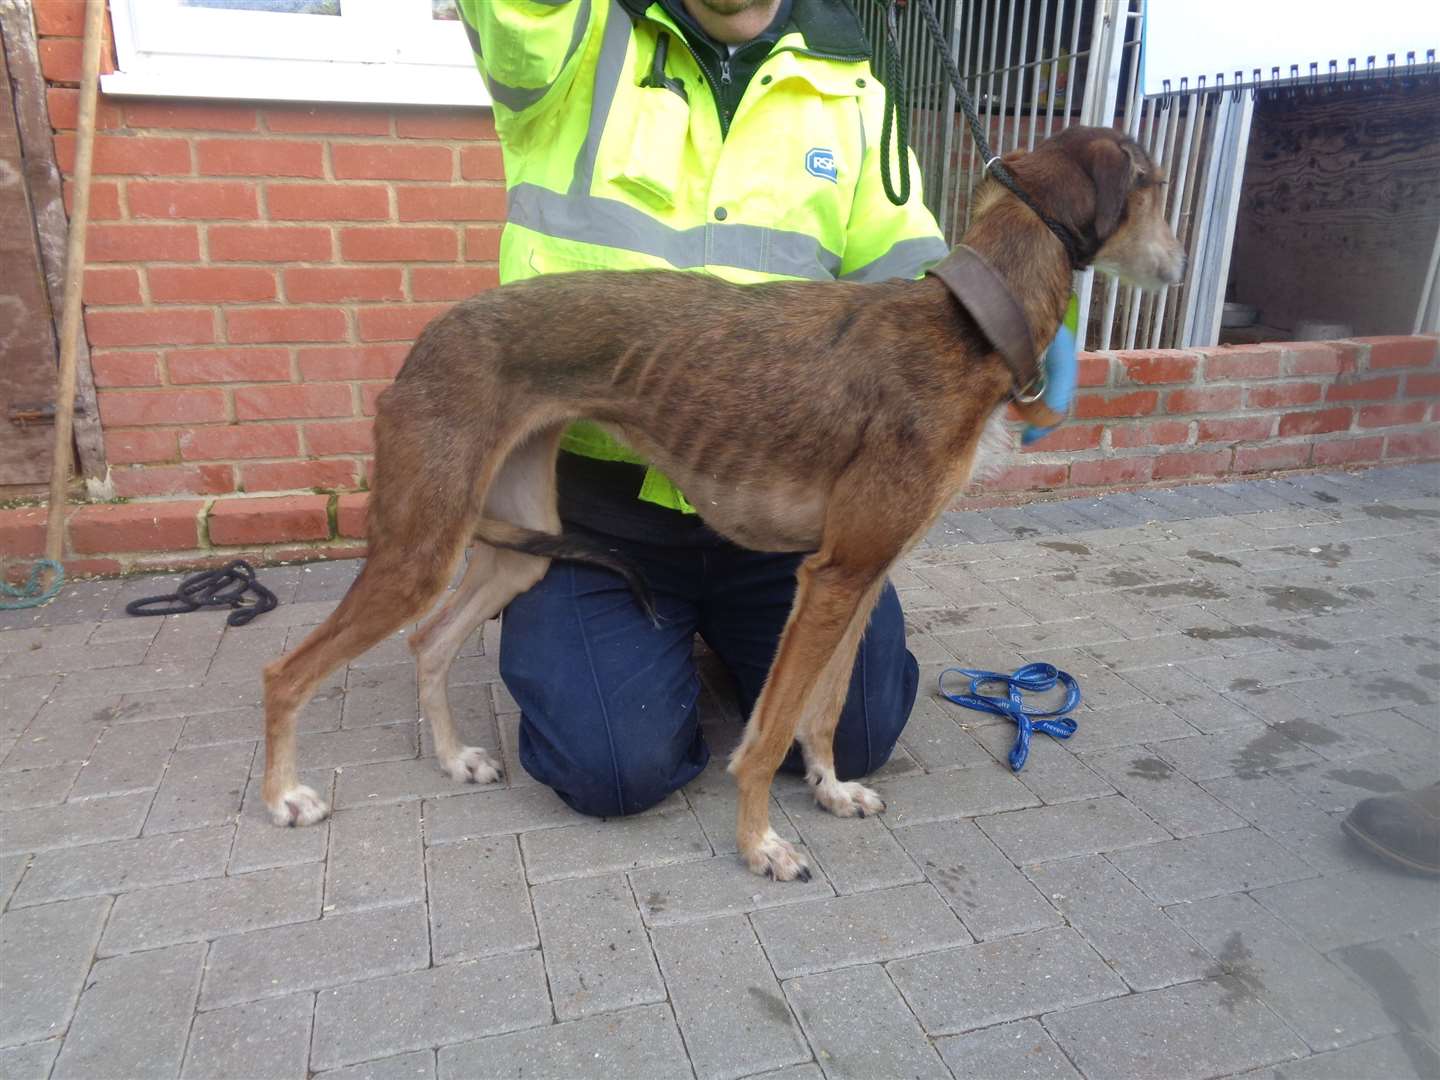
{"points": [[599, 783]]}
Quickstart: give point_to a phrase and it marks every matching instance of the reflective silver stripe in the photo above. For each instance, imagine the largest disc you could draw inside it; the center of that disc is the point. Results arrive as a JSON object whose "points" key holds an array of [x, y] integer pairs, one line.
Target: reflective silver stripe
{"points": [[906, 259], [610, 223], [613, 47], [516, 98]]}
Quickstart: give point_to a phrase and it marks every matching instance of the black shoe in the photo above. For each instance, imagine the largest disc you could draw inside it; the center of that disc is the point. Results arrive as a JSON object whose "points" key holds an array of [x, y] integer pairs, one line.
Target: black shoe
{"points": [[1403, 828]]}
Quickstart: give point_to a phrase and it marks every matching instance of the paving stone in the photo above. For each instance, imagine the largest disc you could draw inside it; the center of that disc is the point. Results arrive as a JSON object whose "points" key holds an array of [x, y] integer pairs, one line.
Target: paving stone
{"points": [[24, 788], [29, 1062], [605, 847], [808, 1071], [45, 637], [683, 892], [1153, 785], [1337, 786], [731, 1010], [61, 732], [992, 898], [83, 682], [12, 868], [1051, 771], [1244, 752], [86, 821], [856, 854], [494, 811], [422, 1009], [996, 981], [212, 907], [380, 695], [1128, 930], [1395, 1057], [394, 781], [1406, 980], [125, 865], [637, 1044], [128, 757], [268, 1039], [479, 903], [860, 1027], [261, 844], [1195, 1029], [597, 954], [118, 1031], [985, 789], [60, 659], [937, 741], [1210, 865], [1192, 701], [22, 700], [1017, 1051], [362, 746], [1058, 832], [419, 1065], [1314, 997], [1349, 909], [201, 787], [1290, 819], [376, 857], [858, 929], [45, 953], [307, 956]]}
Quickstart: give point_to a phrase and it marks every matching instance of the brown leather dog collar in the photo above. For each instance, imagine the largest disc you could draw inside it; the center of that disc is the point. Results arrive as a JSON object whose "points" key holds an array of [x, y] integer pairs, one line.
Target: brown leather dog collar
{"points": [[983, 293]]}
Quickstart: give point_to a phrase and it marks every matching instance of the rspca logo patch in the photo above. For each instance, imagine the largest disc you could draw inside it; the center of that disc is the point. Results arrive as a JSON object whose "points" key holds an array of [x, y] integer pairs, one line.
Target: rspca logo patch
{"points": [[821, 162]]}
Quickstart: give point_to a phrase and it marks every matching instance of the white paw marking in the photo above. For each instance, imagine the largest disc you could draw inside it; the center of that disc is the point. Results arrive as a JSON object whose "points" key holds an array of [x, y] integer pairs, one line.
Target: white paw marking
{"points": [[847, 798], [472, 765], [299, 806], [776, 858]]}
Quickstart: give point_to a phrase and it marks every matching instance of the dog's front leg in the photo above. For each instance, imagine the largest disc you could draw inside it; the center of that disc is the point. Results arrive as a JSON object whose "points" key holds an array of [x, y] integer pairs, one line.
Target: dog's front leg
{"points": [[827, 598]]}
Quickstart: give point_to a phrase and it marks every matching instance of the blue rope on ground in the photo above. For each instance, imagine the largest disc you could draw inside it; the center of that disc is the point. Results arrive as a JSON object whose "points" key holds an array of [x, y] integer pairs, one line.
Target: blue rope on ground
{"points": [[14, 597], [1032, 678]]}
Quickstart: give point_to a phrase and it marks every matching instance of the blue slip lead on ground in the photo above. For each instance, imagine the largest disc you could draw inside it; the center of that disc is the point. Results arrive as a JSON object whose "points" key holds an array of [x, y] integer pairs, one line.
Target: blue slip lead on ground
{"points": [[1032, 678]]}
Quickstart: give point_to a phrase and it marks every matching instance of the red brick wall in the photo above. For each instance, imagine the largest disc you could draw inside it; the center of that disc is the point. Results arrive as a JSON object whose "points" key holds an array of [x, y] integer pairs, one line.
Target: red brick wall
{"points": [[257, 271]]}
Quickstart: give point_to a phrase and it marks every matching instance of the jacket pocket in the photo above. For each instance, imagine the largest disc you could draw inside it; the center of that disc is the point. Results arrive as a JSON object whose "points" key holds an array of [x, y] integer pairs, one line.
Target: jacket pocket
{"points": [[651, 153]]}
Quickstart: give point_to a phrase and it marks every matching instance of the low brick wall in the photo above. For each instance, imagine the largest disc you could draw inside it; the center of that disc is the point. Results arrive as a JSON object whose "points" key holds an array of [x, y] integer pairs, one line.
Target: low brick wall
{"points": [[1141, 418]]}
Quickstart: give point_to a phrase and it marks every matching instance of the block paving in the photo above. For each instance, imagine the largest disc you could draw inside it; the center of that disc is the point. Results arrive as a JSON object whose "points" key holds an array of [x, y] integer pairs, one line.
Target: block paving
{"points": [[1168, 893]]}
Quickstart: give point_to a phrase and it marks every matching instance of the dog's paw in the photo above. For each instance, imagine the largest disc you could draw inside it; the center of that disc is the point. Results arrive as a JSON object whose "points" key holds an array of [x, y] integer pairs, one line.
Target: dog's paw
{"points": [[775, 858], [848, 799], [298, 806], [472, 765]]}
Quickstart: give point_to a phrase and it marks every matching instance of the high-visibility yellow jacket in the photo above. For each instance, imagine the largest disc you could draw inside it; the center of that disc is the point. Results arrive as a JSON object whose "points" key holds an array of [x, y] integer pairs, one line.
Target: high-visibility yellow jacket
{"points": [[617, 159]]}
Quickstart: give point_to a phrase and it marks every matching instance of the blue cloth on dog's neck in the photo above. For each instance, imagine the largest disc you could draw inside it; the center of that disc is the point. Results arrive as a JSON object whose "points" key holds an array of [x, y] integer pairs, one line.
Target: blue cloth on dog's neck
{"points": [[1060, 365]]}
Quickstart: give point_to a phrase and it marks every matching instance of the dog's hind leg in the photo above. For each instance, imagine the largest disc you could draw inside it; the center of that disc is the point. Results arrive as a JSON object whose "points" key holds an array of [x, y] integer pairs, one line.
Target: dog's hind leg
{"points": [[421, 515], [524, 494]]}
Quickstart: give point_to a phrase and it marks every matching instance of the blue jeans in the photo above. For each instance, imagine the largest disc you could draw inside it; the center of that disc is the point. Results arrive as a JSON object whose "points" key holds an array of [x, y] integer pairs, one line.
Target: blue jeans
{"points": [[608, 701]]}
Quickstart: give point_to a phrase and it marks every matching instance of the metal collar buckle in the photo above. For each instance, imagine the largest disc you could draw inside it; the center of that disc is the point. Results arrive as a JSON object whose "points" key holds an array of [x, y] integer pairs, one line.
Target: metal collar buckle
{"points": [[1032, 391]]}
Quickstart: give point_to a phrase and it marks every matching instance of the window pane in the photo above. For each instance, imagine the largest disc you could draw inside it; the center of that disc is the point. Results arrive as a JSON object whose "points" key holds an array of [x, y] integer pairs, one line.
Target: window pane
{"points": [[444, 9], [283, 7]]}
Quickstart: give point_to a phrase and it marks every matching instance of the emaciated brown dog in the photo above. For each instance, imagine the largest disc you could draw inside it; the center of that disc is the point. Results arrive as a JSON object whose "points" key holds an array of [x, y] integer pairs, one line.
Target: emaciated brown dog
{"points": [[831, 418]]}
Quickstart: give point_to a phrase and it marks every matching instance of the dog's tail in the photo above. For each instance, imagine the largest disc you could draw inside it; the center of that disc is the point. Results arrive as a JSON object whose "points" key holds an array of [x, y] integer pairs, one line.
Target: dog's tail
{"points": [[512, 537]]}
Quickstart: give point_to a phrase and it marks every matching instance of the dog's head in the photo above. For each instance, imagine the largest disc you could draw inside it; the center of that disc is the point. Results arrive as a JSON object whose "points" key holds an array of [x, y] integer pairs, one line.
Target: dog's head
{"points": [[1104, 186]]}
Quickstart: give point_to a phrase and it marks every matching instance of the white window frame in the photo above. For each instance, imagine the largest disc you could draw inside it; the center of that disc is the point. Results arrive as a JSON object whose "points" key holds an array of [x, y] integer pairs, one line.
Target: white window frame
{"points": [[374, 51]]}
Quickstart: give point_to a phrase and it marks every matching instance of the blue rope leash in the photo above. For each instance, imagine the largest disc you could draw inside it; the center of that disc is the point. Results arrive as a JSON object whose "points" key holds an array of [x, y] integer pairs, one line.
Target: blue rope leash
{"points": [[13, 597], [1032, 678]]}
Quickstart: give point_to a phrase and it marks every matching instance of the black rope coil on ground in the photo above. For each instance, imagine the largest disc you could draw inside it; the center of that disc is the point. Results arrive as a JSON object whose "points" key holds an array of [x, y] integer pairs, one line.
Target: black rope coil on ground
{"points": [[225, 587]]}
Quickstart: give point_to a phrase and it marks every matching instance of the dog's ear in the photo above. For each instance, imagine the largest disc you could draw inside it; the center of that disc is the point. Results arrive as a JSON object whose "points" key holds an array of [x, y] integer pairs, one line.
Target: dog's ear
{"points": [[1114, 167]]}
